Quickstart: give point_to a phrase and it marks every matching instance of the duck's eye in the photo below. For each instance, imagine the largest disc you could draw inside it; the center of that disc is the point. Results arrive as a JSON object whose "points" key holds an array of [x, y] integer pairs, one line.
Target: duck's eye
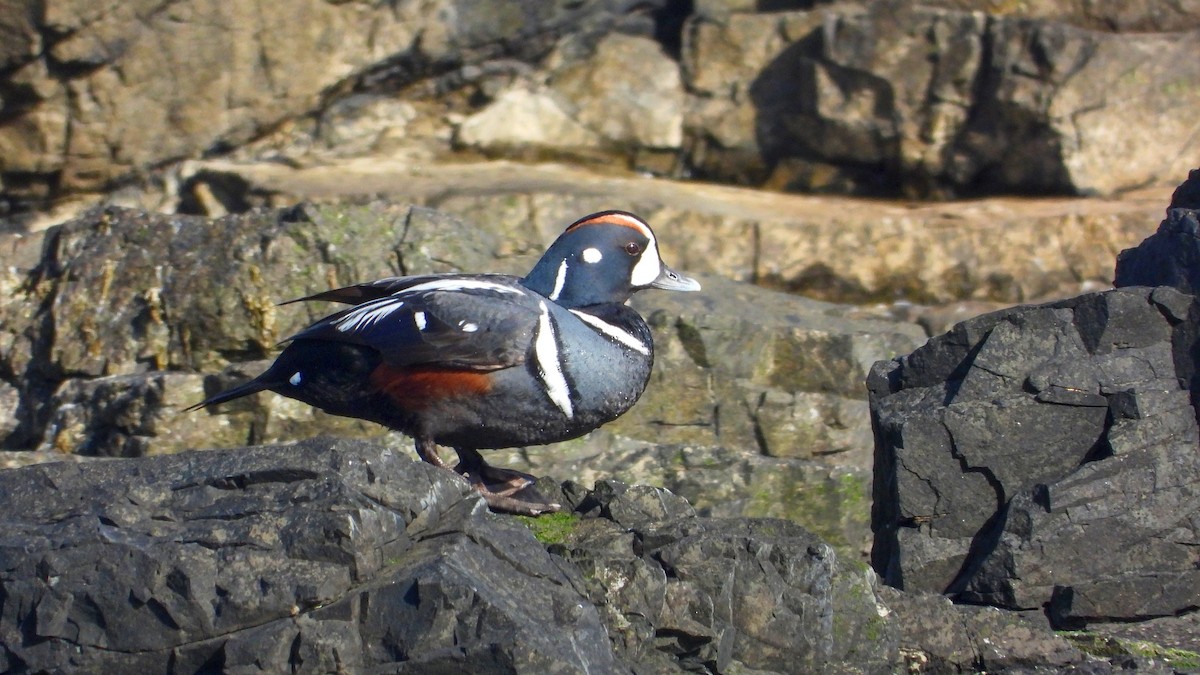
{"points": [[633, 248]]}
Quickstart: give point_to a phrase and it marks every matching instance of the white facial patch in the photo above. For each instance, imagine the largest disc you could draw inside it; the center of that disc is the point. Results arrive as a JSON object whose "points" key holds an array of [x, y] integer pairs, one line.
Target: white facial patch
{"points": [[559, 281], [468, 327], [647, 268], [295, 379], [592, 255], [549, 366], [419, 319], [615, 332]]}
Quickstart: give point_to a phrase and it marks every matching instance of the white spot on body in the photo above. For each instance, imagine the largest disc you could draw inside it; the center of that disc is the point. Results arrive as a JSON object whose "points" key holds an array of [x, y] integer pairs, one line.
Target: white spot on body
{"points": [[615, 332], [549, 366], [592, 255], [559, 281], [296, 379], [468, 327], [419, 318]]}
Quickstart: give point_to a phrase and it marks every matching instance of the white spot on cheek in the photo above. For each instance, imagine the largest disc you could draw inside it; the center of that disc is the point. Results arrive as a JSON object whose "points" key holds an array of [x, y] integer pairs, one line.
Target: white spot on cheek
{"points": [[419, 317], [592, 255], [295, 379], [468, 327]]}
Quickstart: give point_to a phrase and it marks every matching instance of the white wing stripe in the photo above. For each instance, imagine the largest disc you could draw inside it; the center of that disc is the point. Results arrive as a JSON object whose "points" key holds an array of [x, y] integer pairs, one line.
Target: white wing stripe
{"points": [[367, 313], [615, 332], [549, 366], [459, 285]]}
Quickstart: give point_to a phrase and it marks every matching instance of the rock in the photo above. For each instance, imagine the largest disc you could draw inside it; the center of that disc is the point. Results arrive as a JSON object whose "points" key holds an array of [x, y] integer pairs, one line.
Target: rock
{"points": [[1004, 250], [521, 118], [941, 637], [755, 378], [1138, 16], [137, 87], [628, 91], [718, 595], [340, 554], [1170, 256], [932, 102], [327, 554], [1011, 450], [620, 95]]}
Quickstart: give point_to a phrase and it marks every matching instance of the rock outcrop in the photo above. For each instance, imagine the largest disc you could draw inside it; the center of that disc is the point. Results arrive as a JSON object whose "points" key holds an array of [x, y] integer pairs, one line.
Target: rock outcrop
{"points": [[881, 98], [96, 93], [129, 317], [341, 555], [1171, 256], [1044, 457]]}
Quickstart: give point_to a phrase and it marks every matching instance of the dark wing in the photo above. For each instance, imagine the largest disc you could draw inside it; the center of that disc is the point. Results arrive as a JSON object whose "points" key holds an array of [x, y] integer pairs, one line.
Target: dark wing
{"points": [[373, 290], [477, 323]]}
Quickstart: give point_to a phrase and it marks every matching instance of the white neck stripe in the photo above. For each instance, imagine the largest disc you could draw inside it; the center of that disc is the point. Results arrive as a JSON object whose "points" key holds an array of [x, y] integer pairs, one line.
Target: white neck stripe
{"points": [[615, 332]]}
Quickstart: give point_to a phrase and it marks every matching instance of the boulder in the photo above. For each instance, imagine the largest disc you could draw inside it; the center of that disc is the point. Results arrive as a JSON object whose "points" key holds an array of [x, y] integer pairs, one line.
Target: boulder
{"points": [[1170, 256], [1043, 457], [620, 94], [328, 555]]}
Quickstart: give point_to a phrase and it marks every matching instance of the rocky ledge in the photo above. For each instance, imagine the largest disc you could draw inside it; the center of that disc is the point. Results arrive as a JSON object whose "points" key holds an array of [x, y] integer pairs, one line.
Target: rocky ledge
{"points": [[340, 555]]}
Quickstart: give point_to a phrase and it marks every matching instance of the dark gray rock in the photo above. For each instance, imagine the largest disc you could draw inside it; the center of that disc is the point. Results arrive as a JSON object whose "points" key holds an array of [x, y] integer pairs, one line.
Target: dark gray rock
{"points": [[338, 555], [1043, 457], [1170, 256], [941, 637], [328, 555], [320, 556]]}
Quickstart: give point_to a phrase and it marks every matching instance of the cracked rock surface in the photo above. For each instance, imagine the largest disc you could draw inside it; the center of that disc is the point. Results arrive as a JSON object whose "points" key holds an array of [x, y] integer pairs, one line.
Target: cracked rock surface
{"points": [[1044, 457], [340, 555]]}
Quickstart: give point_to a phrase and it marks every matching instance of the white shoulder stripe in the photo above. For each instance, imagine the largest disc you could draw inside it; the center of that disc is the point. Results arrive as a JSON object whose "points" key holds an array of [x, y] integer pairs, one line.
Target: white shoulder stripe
{"points": [[615, 332], [460, 285], [560, 280], [549, 363]]}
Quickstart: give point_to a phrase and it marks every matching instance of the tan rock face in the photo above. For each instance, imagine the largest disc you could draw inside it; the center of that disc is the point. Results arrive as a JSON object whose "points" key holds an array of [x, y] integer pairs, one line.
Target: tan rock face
{"points": [[886, 98], [140, 84], [837, 249]]}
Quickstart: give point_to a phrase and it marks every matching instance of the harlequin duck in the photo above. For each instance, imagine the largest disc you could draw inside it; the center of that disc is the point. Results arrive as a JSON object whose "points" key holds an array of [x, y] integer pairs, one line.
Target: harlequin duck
{"points": [[483, 361]]}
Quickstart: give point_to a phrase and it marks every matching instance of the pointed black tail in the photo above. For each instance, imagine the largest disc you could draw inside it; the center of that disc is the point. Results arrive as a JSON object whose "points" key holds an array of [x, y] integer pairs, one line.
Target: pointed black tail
{"points": [[252, 387]]}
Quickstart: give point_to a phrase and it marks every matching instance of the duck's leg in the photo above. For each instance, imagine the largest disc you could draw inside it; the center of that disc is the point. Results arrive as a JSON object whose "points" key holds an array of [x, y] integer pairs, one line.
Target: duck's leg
{"points": [[428, 451], [504, 489]]}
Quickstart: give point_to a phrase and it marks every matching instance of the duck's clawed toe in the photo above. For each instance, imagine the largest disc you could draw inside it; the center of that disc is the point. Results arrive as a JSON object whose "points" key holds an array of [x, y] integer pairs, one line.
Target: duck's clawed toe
{"points": [[505, 490]]}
